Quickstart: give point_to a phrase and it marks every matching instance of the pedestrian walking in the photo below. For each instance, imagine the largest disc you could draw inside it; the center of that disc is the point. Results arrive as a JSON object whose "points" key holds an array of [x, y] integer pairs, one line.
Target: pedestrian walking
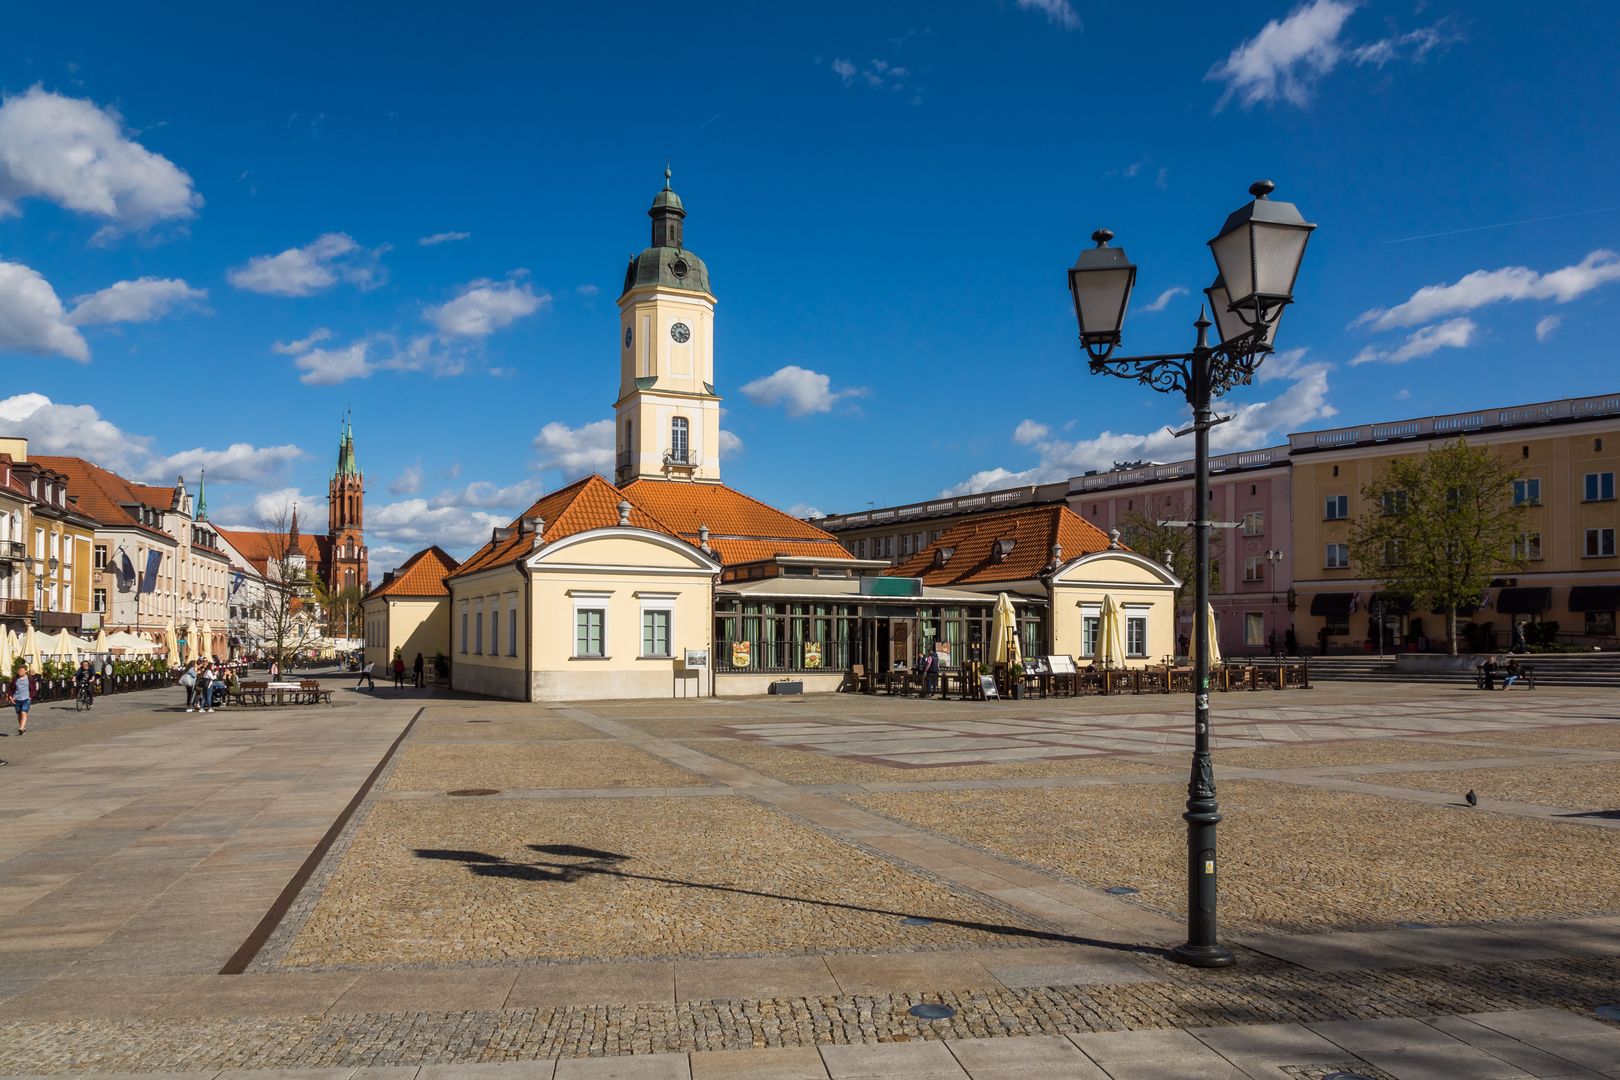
{"points": [[275, 670], [1291, 642], [416, 669], [399, 672], [188, 679], [21, 693], [930, 672], [365, 677]]}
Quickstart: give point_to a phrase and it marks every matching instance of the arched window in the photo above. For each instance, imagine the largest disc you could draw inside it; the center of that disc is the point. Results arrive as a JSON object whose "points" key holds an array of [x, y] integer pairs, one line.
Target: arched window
{"points": [[678, 440]]}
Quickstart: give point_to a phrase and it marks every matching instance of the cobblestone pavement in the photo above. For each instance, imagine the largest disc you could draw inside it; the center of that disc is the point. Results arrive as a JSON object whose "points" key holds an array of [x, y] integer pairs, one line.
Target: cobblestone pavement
{"points": [[411, 929]]}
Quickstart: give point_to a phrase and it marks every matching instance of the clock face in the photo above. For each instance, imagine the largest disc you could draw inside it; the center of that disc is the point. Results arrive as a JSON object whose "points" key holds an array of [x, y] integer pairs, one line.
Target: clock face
{"points": [[627, 336], [681, 332]]}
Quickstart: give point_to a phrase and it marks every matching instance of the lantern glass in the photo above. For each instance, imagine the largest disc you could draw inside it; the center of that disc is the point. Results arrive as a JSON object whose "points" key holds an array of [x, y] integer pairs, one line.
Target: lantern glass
{"points": [[1101, 281], [1258, 254], [1228, 323]]}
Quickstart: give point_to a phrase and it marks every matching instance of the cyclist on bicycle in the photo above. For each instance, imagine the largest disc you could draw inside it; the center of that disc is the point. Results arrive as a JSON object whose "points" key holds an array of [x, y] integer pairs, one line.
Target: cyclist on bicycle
{"points": [[84, 681]]}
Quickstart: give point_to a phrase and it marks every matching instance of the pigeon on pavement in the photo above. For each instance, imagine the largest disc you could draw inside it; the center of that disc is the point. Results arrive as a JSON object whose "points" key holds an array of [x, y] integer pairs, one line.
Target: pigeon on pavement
{"points": [[1473, 800]]}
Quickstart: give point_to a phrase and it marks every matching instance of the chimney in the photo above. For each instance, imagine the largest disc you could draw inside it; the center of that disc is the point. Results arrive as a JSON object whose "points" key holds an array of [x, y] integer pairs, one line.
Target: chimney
{"points": [[499, 533], [1057, 555], [538, 524], [388, 575], [624, 511], [703, 539], [1113, 539]]}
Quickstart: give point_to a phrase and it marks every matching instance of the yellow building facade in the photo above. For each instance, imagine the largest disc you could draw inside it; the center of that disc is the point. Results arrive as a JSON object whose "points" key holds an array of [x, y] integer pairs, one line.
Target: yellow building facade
{"points": [[1568, 454]]}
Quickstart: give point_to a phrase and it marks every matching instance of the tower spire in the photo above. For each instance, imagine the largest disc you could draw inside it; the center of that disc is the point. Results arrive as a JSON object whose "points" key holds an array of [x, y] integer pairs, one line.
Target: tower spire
{"points": [[202, 496]]}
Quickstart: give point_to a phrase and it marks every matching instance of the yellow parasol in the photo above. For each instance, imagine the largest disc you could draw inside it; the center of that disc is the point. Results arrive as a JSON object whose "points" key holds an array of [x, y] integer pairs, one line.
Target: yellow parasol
{"points": [[30, 647], [5, 653], [101, 641], [1212, 628], [207, 641], [191, 641], [1003, 631], [1111, 649], [172, 645]]}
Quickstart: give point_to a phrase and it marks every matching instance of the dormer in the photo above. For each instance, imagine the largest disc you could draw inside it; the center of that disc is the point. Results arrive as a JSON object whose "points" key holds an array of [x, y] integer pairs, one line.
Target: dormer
{"points": [[1002, 548]]}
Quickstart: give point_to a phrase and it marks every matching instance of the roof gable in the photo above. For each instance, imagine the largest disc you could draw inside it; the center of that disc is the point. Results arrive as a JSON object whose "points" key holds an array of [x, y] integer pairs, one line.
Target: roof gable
{"points": [[422, 574]]}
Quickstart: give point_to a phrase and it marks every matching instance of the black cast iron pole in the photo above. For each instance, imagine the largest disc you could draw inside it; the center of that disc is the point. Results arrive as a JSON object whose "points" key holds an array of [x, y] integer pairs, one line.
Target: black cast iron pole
{"points": [[1202, 949]]}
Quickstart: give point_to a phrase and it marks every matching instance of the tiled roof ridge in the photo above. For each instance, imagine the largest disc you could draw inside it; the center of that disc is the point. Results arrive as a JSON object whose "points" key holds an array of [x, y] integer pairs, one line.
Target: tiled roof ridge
{"points": [[820, 533], [108, 485], [395, 585]]}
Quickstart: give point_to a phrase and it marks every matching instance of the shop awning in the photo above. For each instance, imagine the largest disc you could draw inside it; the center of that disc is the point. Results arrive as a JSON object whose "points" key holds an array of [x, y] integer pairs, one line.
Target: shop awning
{"points": [[1332, 603], [1523, 601], [1394, 603], [1594, 598]]}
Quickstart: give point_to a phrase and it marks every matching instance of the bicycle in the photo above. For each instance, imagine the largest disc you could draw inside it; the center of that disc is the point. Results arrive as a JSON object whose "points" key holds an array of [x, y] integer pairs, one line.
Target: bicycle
{"points": [[85, 699]]}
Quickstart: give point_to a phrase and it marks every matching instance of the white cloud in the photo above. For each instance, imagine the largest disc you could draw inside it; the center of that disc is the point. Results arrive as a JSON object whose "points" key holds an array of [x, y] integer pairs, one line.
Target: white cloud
{"points": [[328, 367], [1452, 334], [31, 316], [1484, 287], [443, 238], [74, 154], [730, 443], [805, 510], [293, 348], [1546, 327], [409, 481], [1164, 298], [1059, 13], [483, 307], [845, 70], [876, 74], [1030, 432], [484, 495], [1403, 394], [141, 300], [413, 524], [801, 390], [587, 448], [1253, 424], [307, 270], [80, 431], [587, 290], [1286, 59], [272, 507], [241, 463]]}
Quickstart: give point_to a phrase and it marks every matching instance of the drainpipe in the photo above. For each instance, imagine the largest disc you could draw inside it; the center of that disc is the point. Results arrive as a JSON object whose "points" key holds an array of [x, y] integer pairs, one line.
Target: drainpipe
{"points": [[528, 629]]}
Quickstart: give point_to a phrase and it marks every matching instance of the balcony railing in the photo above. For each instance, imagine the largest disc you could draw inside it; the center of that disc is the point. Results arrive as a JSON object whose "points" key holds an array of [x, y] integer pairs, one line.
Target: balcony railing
{"points": [[13, 551], [1454, 423], [16, 608]]}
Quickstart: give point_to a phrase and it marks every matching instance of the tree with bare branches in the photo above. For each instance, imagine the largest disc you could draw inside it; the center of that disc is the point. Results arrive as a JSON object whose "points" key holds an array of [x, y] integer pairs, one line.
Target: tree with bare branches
{"points": [[286, 617]]}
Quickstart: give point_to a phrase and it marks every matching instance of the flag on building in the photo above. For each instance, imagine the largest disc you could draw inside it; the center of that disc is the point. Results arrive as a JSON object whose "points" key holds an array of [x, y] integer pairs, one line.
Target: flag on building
{"points": [[154, 559]]}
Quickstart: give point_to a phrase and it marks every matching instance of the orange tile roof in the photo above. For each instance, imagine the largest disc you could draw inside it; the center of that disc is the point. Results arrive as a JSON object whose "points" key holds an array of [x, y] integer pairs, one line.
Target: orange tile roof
{"points": [[259, 546], [102, 494], [1032, 529], [591, 503], [422, 575], [741, 529]]}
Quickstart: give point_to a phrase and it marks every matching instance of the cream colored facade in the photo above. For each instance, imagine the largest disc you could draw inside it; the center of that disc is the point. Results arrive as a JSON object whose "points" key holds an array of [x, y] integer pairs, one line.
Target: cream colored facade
{"points": [[606, 613], [1556, 453], [1142, 589], [409, 624], [666, 379]]}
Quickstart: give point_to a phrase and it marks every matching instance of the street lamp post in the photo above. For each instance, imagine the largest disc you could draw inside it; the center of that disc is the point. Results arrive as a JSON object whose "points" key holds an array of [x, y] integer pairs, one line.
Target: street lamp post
{"points": [[1273, 564], [1257, 256]]}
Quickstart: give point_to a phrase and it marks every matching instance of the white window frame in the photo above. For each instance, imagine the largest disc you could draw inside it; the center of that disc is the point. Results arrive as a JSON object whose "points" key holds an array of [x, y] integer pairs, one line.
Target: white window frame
{"points": [[511, 624], [590, 601], [1336, 508], [495, 627], [464, 612], [1527, 492], [1527, 546], [650, 602], [680, 439], [1090, 621], [1137, 613], [1328, 561], [1254, 523], [1254, 628], [478, 627], [1594, 543], [1251, 568]]}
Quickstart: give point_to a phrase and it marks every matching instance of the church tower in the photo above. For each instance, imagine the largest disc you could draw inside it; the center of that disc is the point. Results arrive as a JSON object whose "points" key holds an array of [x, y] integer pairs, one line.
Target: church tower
{"points": [[345, 517], [667, 417]]}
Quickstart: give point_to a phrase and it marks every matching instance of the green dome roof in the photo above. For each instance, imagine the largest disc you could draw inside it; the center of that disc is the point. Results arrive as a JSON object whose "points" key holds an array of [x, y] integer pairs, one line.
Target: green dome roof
{"points": [[670, 267], [667, 263]]}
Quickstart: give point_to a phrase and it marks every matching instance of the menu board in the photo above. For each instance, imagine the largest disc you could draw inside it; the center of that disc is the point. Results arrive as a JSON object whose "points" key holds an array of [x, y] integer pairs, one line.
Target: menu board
{"points": [[742, 654]]}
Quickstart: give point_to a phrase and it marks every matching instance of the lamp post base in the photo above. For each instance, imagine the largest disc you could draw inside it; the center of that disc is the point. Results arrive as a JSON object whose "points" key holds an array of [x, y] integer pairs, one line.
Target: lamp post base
{"points": [[1203, 956]]}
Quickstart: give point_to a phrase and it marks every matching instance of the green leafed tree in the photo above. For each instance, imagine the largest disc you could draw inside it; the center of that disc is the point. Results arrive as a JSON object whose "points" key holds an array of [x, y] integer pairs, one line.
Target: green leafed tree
{"points": [[1438, 526]]}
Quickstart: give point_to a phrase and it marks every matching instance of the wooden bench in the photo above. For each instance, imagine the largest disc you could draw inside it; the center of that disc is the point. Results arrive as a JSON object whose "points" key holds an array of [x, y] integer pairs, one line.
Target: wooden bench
{"points": [[309, 690], [1526, 677]]}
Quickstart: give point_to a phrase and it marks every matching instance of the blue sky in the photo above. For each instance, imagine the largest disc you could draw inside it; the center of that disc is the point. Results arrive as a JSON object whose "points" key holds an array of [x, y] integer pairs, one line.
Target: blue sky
{"points": [[213, 231]]}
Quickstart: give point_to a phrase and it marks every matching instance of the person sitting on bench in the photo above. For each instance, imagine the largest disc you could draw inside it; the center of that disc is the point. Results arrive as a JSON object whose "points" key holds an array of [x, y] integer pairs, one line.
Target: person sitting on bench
{"points": [[1487, 674], [1511, 674]]}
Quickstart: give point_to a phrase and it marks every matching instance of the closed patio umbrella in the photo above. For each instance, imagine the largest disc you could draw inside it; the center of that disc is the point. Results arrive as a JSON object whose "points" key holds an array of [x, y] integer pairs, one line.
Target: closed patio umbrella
{"points": [[207, 645], [173, 645], [1214, 636], [101, 641], [5, 653], [1003, 631], [1110, 628], [191, 642], [30, 648]]}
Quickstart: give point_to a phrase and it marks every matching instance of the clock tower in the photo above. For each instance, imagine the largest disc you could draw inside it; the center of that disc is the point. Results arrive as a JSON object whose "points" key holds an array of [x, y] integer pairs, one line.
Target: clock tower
{"points": [[667, 418]]}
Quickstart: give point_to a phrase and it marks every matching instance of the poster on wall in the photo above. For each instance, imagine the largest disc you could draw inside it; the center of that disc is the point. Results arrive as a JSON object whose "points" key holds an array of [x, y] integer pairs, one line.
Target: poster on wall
{"points": [[942, 653], [812, 654], [741, 653]]}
